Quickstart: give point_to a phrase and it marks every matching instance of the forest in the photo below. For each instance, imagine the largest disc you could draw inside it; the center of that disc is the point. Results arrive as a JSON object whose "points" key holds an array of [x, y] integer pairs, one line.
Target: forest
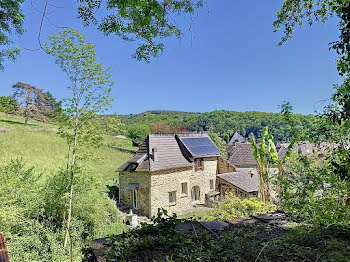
{"points": [[225, 123]]}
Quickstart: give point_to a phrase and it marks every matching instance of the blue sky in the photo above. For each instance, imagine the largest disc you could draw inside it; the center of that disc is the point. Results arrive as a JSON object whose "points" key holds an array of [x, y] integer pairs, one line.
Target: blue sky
{"points": [[231, 62]]}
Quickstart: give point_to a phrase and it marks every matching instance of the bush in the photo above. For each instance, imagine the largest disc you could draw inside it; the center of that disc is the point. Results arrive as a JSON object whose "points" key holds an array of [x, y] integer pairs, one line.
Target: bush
{"points": [[314, 194], [31, 213], [8, 104], [232, 208]]}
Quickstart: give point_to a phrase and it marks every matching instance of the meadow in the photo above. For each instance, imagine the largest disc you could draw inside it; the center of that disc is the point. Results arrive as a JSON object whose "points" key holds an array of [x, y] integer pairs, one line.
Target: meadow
{"points": [[39, 145]]}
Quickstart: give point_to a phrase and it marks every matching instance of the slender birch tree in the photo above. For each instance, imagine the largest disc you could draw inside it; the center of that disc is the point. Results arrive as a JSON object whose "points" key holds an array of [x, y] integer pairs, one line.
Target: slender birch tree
{"points": [[89, 95]]}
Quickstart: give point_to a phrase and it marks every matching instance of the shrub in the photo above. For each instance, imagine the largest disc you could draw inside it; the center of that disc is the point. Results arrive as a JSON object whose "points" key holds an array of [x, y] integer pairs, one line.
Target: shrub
{"points": [[233, 207], [31, 212], [8, 104]]}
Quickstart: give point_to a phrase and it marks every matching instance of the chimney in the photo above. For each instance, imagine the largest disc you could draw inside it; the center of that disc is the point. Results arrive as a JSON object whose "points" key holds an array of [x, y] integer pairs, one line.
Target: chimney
{"points": [[251, 173], [155, 154]]}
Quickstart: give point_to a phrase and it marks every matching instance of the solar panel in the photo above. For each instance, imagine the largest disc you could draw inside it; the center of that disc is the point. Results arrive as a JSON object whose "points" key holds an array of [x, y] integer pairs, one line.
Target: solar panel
{"points": [[200, 146]]}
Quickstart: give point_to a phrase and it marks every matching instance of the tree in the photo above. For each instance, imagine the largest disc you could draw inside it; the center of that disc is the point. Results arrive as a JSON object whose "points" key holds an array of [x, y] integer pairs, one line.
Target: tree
{"points": [[219, 143], [138, 133], [8, 104], [89, 94], [148, 21], [32, 102], [11, 18], [260, 152], [266, 156], [110, 125]]}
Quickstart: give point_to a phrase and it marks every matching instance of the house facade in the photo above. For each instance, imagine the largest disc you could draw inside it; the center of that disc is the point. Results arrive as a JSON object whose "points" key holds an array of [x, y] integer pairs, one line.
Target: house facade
{"points": [[171, 171]]}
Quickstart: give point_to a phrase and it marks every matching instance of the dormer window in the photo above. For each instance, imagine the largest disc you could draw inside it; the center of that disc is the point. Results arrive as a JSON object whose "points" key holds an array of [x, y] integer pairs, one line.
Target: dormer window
{"points": [[198, 164]]}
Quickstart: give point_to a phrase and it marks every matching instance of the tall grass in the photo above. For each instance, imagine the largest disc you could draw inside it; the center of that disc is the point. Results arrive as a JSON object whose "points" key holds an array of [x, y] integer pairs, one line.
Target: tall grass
{"points": [[39, 145]]}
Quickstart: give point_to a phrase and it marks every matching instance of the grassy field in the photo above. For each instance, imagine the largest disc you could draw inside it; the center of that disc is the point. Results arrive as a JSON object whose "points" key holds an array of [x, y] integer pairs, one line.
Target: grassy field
{"points": [[39, 145]]}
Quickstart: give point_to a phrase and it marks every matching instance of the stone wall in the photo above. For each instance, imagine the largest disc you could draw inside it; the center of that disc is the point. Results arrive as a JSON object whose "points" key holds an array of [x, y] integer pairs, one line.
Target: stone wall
{"points": [[143, 192], [164, 182], [224, 166]]}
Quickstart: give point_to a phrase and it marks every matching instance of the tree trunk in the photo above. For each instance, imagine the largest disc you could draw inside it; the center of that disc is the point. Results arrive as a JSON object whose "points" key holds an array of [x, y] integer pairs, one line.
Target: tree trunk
{"points": [[72, 167]]}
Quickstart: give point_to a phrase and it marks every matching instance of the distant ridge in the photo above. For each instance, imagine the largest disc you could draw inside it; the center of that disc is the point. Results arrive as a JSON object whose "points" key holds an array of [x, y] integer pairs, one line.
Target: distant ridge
{"points": [[225, 122]]}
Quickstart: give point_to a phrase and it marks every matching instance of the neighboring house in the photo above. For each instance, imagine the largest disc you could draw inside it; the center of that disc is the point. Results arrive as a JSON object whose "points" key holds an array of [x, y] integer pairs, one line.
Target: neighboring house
{"points": [[242, 183], [245, 182], [175, 172], [241, 155], [235, 138], [306, 148]]}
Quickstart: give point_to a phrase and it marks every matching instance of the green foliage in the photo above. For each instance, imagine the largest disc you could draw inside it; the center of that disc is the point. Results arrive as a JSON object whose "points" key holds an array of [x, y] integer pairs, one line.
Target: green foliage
{"points": [[314, 194], [31, 212], [89, 91], [138, 133], [11, 17], [232, 208], [39, 145], [298, 13], [258, 242], [149, 22], [8, 104], [318, 191], [90, 94], [120, 143], [219, 143], [54, 106], [225, 123], [30, 234], [110, 125], [97, 214]]}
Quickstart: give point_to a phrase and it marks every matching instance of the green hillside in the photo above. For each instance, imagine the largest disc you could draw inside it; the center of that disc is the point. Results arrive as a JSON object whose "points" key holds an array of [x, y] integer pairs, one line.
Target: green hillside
{"points": [[39, 145], [225, 123]]}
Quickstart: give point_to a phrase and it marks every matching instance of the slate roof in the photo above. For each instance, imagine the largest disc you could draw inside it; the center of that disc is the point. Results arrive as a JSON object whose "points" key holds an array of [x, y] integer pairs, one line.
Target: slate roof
{"points": [[236, 137], [242, 155], [171, 153], [305, 147], [242, 179]]}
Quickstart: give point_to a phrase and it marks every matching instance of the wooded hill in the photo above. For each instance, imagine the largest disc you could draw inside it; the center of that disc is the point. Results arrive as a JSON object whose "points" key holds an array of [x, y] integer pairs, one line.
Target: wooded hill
{"points": [[225, 123]]}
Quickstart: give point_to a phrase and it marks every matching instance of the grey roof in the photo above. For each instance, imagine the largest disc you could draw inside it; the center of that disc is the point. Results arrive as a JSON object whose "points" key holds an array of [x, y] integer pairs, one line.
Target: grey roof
{"points": [[171, 152], [306, 148], [243, 180], [138, 158], [168, 151], [236, 137], [242, 155]]}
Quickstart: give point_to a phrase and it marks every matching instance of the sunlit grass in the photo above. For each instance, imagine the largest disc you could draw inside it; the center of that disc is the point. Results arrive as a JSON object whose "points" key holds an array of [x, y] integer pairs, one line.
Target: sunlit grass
{"points": [[39, 145]]}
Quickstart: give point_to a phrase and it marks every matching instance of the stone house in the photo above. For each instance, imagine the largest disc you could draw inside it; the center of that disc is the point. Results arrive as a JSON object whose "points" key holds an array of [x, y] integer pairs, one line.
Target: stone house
{"points": [[245, 181], [242, 184], [172, 171]]}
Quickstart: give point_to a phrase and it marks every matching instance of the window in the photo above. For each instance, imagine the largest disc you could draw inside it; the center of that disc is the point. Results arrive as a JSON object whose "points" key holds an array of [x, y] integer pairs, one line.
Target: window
{"points": [[198, 164], [172, 198], [184, 190], [211, 184], [195, 192]]}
